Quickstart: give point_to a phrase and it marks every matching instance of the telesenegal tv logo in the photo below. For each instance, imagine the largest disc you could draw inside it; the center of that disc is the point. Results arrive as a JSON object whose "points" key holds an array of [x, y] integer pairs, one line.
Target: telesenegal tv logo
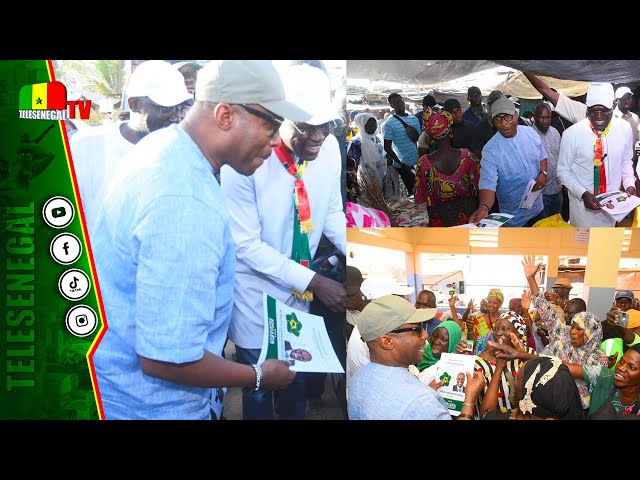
{"points": [[48, 101]]}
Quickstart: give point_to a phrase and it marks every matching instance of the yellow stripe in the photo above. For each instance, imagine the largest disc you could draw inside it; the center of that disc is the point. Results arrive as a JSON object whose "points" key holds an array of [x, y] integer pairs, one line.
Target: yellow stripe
{"points": [[39, 92]]}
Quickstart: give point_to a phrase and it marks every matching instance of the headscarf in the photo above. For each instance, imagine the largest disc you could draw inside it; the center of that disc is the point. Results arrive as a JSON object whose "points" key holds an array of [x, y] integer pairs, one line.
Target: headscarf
{"points": [[611, 346], [549, 390], [455, 334], [589, 353], [518, 322], [426, 115], [372, 155], [439, 125], [496, 292]]}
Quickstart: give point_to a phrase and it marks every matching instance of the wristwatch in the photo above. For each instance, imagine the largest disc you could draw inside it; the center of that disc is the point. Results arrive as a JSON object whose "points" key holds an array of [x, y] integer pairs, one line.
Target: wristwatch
{"points": [[545, 173]]}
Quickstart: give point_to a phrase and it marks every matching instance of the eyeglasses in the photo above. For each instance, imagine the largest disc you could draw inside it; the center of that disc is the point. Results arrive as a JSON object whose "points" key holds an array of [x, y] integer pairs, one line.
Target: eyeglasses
{"points": [[309, 130], [166, 111], [498, 119], [417, 329], [274, 120], [600, 111]]}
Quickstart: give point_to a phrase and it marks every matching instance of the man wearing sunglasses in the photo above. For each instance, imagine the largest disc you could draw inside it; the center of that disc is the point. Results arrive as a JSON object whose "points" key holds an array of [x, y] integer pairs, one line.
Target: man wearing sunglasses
{"points": [[385, 389], [510, 160], [155, 91], [165, 256], [278, 216], [596, 156]]}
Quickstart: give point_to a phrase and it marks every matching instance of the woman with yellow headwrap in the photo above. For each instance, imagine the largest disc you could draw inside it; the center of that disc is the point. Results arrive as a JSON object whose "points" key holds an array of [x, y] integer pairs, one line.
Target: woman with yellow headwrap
{"points": [[447, 180]]}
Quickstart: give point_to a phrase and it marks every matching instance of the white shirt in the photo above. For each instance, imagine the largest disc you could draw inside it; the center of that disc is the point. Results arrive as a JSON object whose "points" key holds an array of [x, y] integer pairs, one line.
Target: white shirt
{"points": [[634, 122], [261, 218], [357, 354], [97, 153], [575, 168], [570, 109]]}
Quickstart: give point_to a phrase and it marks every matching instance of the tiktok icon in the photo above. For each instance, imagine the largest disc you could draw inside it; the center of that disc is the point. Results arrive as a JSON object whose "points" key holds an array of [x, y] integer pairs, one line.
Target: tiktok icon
{"points": [[74, 284]]}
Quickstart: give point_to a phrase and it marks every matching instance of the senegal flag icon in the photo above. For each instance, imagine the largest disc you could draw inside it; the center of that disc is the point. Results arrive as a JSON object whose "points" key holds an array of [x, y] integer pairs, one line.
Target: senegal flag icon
{"points": [[43, 96]]}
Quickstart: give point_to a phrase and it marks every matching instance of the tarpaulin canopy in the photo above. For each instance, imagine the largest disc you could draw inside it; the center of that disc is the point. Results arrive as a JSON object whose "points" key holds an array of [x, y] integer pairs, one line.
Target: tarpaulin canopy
{"points": [[416, 72], [613, 71], [451, 78]]}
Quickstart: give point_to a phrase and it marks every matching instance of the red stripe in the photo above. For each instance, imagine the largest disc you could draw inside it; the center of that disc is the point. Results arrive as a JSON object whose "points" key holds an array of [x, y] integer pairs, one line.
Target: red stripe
{"points": [[56, 96]]}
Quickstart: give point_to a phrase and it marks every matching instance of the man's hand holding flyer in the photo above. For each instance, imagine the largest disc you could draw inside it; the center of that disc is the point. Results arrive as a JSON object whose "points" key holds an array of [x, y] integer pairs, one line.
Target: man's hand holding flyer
{"points": [[297, 337]]}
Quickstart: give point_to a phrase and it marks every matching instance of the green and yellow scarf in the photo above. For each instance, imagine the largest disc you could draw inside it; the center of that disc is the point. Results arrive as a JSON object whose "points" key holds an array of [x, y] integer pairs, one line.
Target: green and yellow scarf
{"points": [[302, 223]]}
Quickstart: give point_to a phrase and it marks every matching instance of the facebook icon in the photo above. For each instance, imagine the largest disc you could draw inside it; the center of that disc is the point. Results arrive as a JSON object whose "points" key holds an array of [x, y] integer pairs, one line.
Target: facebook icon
{"points": [[66, 248]]}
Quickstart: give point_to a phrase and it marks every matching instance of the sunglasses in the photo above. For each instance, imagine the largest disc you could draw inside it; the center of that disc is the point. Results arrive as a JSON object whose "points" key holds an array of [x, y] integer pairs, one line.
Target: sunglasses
{"points": [[309, 130], [418, 329], [166, 111], [594, 112], [274, 120]]}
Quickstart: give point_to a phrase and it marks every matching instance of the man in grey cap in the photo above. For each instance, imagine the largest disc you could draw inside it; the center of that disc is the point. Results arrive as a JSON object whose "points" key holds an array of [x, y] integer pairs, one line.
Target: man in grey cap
{"points": [[165, 256], [277, 218], [624, 301], [596, 156], [385, 389], [510, 161]]}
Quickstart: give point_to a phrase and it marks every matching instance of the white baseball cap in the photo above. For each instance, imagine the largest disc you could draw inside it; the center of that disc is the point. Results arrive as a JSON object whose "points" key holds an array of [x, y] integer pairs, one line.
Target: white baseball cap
{"points": [[159, 81], [600, 94], [310, 88], [247, 81], [622, 91], [192, 63]]}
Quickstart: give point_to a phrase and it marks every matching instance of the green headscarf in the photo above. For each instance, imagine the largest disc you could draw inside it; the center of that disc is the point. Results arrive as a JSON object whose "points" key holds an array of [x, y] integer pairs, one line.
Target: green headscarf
{"points": [[612, 346], [455, 334], [496, 292]]}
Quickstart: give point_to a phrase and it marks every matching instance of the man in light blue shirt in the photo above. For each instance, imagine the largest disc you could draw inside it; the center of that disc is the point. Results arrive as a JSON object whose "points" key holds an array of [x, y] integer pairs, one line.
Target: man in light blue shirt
{"points": [[509, 161], [385, 389], [165, 257], [402, 149]]}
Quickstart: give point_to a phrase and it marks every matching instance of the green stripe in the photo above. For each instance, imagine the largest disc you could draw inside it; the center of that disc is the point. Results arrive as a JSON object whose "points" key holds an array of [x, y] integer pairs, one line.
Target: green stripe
{"points": [[272, 344], [24, 102]]}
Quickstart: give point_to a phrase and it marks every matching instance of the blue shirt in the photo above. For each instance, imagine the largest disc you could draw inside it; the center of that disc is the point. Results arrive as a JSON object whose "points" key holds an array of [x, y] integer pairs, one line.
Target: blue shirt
{"points": [[165, 261], [379, 392], [471, 117], [506, 167], [404, 147]]}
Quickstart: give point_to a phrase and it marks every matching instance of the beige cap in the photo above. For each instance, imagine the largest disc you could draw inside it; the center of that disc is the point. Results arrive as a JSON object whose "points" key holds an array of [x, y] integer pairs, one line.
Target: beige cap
{"points": [[387, 313], [249, 82]]}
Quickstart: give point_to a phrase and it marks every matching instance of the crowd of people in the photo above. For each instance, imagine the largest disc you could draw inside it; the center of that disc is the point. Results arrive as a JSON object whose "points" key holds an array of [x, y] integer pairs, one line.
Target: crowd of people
{"points": [[218, 187], [546, 357], [489, 159]]}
